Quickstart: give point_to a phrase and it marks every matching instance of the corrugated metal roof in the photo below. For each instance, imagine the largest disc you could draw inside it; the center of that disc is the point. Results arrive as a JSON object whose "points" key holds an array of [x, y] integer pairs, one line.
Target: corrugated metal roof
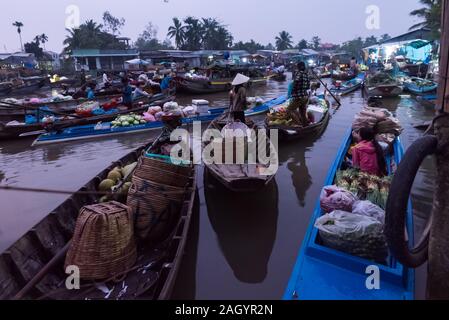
{"points": [[104, 53]]}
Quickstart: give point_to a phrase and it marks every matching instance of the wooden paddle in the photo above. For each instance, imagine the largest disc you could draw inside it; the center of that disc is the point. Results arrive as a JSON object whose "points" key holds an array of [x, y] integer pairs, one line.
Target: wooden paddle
{"points": [[326, 88]]}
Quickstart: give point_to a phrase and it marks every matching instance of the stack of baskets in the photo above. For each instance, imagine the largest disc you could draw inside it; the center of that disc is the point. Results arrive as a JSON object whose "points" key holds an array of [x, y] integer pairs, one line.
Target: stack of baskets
{"points": [[156, 195], [103, 244]]}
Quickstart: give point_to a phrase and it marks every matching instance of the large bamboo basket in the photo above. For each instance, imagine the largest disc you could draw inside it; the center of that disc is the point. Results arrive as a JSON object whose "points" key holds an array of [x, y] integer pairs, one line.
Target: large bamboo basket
{"points": [[103, 244], [154, 206]]}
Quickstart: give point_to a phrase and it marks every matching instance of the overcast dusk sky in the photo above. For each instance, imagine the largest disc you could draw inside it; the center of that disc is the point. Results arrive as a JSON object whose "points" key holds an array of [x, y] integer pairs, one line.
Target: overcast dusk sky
{"points": [[261, 20]]}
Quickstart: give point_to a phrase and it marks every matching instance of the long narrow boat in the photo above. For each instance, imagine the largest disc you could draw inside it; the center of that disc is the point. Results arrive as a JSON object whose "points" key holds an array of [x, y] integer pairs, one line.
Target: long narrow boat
{"points": [[30, 85], [290, 133], [321, 273], [385, 87], [420, 86], [200, 86], [63, 106], [106, 129], [36, 261], [15, 131], [236, 176], [343, 75], [349, 86]]}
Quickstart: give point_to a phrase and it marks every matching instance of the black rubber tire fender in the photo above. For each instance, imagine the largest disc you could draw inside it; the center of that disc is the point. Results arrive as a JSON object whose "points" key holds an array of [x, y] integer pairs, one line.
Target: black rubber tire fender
{"points": [[398, 201]]}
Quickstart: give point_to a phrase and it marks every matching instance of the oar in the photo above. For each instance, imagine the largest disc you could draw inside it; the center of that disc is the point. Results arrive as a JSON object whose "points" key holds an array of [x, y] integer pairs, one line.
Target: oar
{"points": [[326, 88]]}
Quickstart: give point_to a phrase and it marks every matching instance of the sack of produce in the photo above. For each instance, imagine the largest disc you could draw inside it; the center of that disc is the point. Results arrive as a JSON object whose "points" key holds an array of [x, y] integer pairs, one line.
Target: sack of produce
{"points": [[355, 234], [171, 107], [334, 198], [154, 110], [369, 209], [189, 111], [148, 117]]}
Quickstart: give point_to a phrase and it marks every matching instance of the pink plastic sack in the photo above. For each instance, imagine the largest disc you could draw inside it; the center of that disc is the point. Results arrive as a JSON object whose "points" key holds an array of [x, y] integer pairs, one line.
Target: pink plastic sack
{"points": [[334, 198], [148, 117]]}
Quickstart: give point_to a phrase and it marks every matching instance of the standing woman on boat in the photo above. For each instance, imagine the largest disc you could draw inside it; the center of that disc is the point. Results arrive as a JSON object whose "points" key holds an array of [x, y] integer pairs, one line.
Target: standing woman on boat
{"points": [[238, 101], [300, 96], [127, 98]]}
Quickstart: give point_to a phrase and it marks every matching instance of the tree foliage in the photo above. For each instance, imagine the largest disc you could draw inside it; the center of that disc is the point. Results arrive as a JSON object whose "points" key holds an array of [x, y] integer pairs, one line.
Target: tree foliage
{"points": [[113, 24], [430, 15], [284, 41], [91, 35]]}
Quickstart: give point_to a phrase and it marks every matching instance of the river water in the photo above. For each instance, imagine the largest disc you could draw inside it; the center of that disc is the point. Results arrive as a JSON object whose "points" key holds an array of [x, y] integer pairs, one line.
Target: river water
{"points": [[240, 247]]}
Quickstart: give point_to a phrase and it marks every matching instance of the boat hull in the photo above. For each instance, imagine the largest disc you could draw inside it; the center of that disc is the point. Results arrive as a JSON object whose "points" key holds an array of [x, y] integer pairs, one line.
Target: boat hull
{"points": [[293, 134], [386, 91], [321, 273], [48, 238], [90, 132], [207, 87], [16, 131]]}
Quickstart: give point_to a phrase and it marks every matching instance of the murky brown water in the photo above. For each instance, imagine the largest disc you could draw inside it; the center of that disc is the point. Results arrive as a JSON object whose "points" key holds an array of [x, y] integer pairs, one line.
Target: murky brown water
{"points": [[239, 247]]}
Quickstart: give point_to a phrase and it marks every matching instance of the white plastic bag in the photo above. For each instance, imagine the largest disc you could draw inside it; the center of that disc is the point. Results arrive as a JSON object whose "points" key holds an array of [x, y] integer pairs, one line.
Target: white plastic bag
{"points": [[369, 209], [334, 198], [355, 234]]}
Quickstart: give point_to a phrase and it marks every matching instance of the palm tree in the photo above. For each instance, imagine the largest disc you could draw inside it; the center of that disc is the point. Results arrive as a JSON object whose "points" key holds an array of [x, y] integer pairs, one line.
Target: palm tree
{"points": [[284, 41], [431, 16], [19, 26], [177, 31], [43, 37], [194, 33]]}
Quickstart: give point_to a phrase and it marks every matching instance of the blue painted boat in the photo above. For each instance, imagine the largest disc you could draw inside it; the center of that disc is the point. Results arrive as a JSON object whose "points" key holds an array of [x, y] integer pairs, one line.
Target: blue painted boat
{"points": [[349, 86], [420, 86], [106, 130], [322, 273]]}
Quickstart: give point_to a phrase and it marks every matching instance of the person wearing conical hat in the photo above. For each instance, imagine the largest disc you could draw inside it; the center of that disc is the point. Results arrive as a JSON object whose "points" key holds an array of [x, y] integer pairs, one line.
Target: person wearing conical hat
{"points": [[238, 103]]}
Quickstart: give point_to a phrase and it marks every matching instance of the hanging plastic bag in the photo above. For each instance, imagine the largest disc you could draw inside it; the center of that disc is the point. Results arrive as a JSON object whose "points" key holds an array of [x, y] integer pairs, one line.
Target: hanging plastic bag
{"points": [[354, 234], [334, 198], [369, 209]]}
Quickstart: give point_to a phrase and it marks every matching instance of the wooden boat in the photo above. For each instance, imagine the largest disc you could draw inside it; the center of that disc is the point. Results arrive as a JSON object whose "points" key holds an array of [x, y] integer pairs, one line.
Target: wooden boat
{"points": [[237, 177], [64, 106], [203, 86], [28, 86], [289, 133], [420, 86], [26, 130], [279, 77], [343, 75], [349, 86], [428, 100], [387, 87], [36, 261], [321, 273], [5, 88], [106, 130]]}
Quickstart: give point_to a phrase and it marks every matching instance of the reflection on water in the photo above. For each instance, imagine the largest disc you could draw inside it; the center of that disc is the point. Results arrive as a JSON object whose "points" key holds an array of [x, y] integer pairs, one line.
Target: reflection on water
{"points": [[297, 165], [240, 247], [245, 226]]}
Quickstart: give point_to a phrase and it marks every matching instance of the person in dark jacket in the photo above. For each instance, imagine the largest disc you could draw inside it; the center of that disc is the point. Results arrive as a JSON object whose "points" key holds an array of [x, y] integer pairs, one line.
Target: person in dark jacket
{"points": [[300, 96]]}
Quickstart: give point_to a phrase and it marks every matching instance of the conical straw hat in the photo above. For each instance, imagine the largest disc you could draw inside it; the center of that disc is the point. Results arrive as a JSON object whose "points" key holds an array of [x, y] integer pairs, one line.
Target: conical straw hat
{"points": [[240, 79]]}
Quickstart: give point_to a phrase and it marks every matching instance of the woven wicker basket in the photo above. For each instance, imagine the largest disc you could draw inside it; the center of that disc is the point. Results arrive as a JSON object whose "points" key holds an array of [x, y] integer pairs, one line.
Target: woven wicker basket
{"points": [[153, 206], [156, 163], [103, 244], [161, 176]]}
